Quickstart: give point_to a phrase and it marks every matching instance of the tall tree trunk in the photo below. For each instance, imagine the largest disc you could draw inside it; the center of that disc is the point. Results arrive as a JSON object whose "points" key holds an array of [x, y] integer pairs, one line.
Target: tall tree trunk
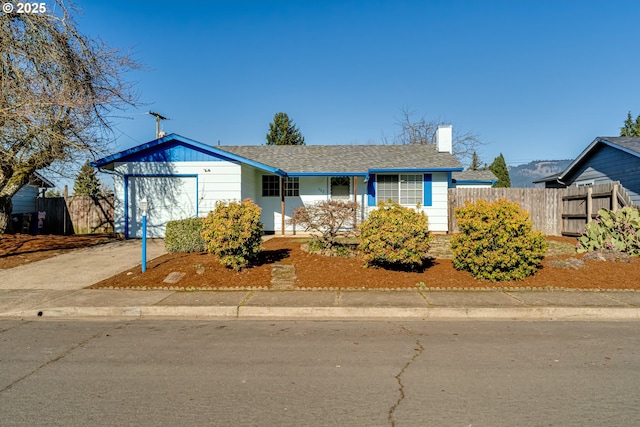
{"points": [[6, 206]]}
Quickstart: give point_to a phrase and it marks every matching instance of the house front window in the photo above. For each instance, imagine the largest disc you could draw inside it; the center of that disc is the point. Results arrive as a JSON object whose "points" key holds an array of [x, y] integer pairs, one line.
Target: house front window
{"points": [[292, 187], [340, 188], [270, 186], [388, 188], [405, 189], [410, 189]]}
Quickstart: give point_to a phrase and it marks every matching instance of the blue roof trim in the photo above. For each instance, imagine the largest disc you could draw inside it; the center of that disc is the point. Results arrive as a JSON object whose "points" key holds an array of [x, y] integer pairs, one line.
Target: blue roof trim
{"points": [[299, 174], [138, 153], [420, 170], [474, 181]]}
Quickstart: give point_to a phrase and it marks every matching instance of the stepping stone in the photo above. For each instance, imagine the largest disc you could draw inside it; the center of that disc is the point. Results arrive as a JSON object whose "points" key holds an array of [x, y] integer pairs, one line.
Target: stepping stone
{"points": [[283, 276], [174, 277]]}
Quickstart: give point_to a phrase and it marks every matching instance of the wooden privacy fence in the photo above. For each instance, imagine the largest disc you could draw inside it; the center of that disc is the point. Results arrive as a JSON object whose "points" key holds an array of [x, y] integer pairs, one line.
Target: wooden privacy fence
{"points": [[77, 214], [554, 211], [581, 204]]}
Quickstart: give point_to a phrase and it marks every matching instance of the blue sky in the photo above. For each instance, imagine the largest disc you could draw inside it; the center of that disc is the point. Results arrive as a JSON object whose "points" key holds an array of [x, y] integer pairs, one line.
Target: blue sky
{"points": [[535, 79]]}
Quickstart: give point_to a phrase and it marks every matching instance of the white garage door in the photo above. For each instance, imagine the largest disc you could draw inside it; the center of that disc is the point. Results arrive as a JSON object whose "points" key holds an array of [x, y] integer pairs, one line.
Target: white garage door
{"points": [[168, 197]]}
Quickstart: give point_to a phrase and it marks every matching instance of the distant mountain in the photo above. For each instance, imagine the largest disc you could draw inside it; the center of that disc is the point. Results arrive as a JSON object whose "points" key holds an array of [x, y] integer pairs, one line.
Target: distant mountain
{"points": [[522, 176]]}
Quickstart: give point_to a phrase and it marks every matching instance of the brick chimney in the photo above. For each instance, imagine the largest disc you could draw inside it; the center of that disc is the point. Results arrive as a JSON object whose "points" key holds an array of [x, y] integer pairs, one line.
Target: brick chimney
{"points": [[444, 138]]}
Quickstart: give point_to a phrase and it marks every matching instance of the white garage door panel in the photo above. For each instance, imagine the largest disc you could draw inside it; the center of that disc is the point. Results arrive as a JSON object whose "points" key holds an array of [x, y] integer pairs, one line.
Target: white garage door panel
{"points": [[169, 198]]}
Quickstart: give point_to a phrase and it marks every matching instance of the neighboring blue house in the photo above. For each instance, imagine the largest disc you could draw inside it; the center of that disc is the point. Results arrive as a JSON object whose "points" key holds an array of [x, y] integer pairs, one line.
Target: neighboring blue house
{"points": [[606, 159], [182, 178]]}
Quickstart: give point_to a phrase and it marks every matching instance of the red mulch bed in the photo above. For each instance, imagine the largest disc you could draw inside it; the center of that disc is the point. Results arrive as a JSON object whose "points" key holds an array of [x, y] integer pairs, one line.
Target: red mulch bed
{"points": [[316, 271], [18, 249], [313, 271]]}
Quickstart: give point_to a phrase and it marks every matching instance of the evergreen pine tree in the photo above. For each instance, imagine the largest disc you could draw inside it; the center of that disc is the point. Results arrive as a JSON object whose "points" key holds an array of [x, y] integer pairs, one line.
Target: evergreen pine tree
{"points": [[499, 169], [475, 162], [52, 192], [87, 182], [283, 131], [630, 127]]}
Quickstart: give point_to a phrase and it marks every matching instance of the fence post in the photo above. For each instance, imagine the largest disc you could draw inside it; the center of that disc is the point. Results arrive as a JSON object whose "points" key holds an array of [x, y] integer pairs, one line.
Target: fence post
{"points": [[614, 198], [589, 203]]}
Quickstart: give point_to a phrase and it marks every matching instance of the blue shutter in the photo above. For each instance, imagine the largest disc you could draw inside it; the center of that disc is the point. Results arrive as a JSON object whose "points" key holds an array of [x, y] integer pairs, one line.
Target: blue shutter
{"points": [[427, 190], [371, 190]]}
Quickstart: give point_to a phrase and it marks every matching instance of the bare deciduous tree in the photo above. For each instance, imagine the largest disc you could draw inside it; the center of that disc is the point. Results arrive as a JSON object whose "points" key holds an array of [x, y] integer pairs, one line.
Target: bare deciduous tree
{"points": [[327, 220], [423, 131], [59, 89]]}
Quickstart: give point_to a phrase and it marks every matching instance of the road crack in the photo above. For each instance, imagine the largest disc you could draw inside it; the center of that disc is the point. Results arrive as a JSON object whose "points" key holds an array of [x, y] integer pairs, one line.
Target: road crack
{"points": [[56, 359], [418, 351]]}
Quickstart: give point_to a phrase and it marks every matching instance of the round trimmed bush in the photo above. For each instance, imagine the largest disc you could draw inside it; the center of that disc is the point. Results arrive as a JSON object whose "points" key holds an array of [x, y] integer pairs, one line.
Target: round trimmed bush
{"points": [[233, 232], [496, 241], [395, 236]]}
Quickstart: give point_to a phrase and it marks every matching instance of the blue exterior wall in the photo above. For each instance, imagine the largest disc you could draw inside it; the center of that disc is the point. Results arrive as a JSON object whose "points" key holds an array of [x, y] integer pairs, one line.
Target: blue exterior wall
{"points": [[606, 164], [24, 201]]}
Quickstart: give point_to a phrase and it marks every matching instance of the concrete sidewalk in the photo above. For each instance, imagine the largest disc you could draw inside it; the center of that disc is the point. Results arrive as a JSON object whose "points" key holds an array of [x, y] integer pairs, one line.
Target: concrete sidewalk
{"points": [[321, 305], [54, 288]]}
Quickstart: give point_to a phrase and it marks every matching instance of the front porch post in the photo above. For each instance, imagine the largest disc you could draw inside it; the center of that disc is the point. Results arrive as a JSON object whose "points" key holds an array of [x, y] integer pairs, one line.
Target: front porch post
{"points": [[355, 199], [282, 188]]}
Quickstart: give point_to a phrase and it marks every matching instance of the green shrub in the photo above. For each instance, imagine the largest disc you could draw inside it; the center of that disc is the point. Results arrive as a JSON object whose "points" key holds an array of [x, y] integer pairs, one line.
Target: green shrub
{"points": [[394, 236], [233, 232], [616, 231], [496, 241], [184, 235]]}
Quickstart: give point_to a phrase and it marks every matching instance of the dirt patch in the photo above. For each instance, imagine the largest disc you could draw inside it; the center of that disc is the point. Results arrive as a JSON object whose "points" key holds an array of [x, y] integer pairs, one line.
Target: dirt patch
{"points": [[202, 271], [19, 249]]}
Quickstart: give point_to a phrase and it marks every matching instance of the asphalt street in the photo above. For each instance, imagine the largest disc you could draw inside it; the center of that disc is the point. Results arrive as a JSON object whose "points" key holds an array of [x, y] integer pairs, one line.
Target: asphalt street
{"points": [[318, 373]]}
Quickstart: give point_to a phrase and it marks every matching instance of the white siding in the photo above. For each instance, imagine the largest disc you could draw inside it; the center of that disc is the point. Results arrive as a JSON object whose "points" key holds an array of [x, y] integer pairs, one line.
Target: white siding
{"points": [[226, 181], [473, 186], [168, 198], [249, 186], [217, 181], [312, 190], [438, 211]]}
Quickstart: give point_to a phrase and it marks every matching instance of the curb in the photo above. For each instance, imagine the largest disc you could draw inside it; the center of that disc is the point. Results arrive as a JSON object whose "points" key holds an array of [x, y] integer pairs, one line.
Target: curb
{"points": [[335, 313]]}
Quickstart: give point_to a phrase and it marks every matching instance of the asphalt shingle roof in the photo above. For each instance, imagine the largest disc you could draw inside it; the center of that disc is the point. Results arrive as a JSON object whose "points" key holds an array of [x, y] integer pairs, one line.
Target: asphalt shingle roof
{"points": [[345, 158], [629, 142], [479, 175]]}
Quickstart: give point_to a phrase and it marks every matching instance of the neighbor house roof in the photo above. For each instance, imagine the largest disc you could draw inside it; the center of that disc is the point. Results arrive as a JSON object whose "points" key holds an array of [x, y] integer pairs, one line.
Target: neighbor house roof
{"points": [[296, 160], [475, 176], [38, 180], [627, 144]]}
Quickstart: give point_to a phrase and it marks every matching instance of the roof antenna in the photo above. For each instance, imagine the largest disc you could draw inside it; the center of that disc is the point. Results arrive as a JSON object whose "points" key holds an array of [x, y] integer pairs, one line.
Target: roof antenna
{"points": [[159, 117]]}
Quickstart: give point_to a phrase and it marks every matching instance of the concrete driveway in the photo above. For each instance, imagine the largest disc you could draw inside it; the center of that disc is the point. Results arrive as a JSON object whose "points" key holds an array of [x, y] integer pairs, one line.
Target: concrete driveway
{"points": [[80, 268]]}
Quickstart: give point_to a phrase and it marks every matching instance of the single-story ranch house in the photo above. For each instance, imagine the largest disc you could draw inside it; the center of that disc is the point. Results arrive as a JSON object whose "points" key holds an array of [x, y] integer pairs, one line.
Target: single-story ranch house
{"points": [[182, 178], [606, 159]]}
